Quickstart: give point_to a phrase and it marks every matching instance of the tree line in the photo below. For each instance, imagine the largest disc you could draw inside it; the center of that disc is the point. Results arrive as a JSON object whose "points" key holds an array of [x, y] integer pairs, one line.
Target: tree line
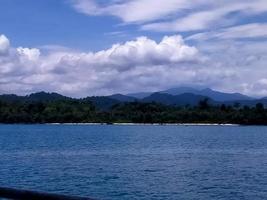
{"points": [[84, 111]]}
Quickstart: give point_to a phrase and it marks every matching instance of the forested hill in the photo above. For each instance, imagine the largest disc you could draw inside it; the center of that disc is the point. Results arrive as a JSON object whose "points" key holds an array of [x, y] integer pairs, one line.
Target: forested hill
{"points": [[157, 108]]}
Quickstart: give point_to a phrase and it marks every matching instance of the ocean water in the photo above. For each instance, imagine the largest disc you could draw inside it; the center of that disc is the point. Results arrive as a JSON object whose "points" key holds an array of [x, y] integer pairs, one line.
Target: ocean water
{"points": [[136, 162]]}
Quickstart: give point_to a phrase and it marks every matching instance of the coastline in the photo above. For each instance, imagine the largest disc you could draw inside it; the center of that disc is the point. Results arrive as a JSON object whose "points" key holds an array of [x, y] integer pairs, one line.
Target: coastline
{"points": [[148, 124]]}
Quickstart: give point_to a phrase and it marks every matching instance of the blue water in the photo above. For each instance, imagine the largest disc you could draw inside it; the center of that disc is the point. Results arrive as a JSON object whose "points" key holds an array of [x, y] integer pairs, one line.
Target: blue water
{"points": [[136, 162]]}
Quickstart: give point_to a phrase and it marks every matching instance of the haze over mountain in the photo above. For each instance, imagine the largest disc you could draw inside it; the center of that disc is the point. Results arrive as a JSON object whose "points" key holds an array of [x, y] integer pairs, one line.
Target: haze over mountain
{"points": [[121, 97], [215, 95], [139, 95]]}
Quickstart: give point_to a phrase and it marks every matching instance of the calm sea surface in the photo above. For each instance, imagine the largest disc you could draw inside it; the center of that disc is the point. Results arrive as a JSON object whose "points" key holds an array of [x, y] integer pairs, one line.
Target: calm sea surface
{"points": [[136, 162]]}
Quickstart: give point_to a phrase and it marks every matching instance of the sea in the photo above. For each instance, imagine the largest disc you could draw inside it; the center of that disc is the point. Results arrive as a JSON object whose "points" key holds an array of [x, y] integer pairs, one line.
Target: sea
{"points": [[113, 162]]}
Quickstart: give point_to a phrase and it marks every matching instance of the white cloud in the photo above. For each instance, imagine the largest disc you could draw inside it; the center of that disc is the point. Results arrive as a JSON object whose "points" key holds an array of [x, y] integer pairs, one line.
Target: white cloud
{"points": [[25, 70], [29, 54], [87, 7], [138, 65], [254, 30], [4, 44], [193, 22], [174, 15], [133, 10], [15, 62], [244, 60], [211, 17]]}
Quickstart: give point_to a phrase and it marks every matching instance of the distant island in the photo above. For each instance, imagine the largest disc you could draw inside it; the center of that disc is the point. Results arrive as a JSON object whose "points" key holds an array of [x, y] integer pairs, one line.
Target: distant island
{"points": [[177, 105]]}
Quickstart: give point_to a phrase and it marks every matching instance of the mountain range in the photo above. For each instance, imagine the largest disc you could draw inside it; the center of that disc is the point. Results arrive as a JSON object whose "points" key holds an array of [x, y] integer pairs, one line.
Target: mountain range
{"points": [[181, 96], [215, 95]]}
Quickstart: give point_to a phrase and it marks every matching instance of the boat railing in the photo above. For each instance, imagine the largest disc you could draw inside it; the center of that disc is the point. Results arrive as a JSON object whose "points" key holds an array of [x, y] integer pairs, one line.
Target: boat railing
{"points": [[17, 194]]}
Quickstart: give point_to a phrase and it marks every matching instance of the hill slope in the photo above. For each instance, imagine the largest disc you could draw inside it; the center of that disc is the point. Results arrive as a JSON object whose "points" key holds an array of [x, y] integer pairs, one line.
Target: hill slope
{"points": [[177, 100], [215, 95]]}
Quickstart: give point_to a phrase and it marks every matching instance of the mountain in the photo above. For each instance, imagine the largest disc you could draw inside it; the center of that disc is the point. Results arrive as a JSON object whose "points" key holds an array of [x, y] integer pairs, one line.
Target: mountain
{"points": [[215, 95], [178, 100], [180, 90], [122, 98], [39, 96], [102, 102], [44, 96], [220, 96], [176, 96], [140, 95], [11, 98]]}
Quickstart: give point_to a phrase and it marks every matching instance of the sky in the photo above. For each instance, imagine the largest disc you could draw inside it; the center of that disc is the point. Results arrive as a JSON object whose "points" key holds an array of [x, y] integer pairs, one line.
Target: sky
{"points": [[82, 48]]}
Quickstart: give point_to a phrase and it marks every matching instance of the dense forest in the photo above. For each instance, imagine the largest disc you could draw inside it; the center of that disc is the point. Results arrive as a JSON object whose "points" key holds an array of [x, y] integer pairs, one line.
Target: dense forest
{"points": [[83, 110]]}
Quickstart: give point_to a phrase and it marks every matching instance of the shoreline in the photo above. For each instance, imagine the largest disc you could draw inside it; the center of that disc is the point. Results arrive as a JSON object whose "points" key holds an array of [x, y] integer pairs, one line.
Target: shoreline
{"points": [[148, 124], [136, 124]]}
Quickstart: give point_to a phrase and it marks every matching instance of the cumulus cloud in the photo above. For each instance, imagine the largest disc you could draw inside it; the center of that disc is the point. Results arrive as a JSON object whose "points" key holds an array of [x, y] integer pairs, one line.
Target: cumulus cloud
{"points": [[4, 44], [28, 54], [142, 64], [123, 67], [244, 61], [144, 51]]}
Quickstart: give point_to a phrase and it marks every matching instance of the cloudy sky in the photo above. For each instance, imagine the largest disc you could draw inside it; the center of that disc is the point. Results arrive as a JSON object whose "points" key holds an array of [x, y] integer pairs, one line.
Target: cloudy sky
{"points": [[98, 47]]}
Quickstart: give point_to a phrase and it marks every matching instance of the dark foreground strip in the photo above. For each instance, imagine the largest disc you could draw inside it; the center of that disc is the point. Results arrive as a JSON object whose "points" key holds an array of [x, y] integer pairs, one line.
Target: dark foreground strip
{"points": [[10, 193]]}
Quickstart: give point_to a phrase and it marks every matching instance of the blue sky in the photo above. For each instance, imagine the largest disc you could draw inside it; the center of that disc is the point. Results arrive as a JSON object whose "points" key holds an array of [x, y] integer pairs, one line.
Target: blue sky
{"points": [[45, 22], [96, 47], [53, 22]]}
